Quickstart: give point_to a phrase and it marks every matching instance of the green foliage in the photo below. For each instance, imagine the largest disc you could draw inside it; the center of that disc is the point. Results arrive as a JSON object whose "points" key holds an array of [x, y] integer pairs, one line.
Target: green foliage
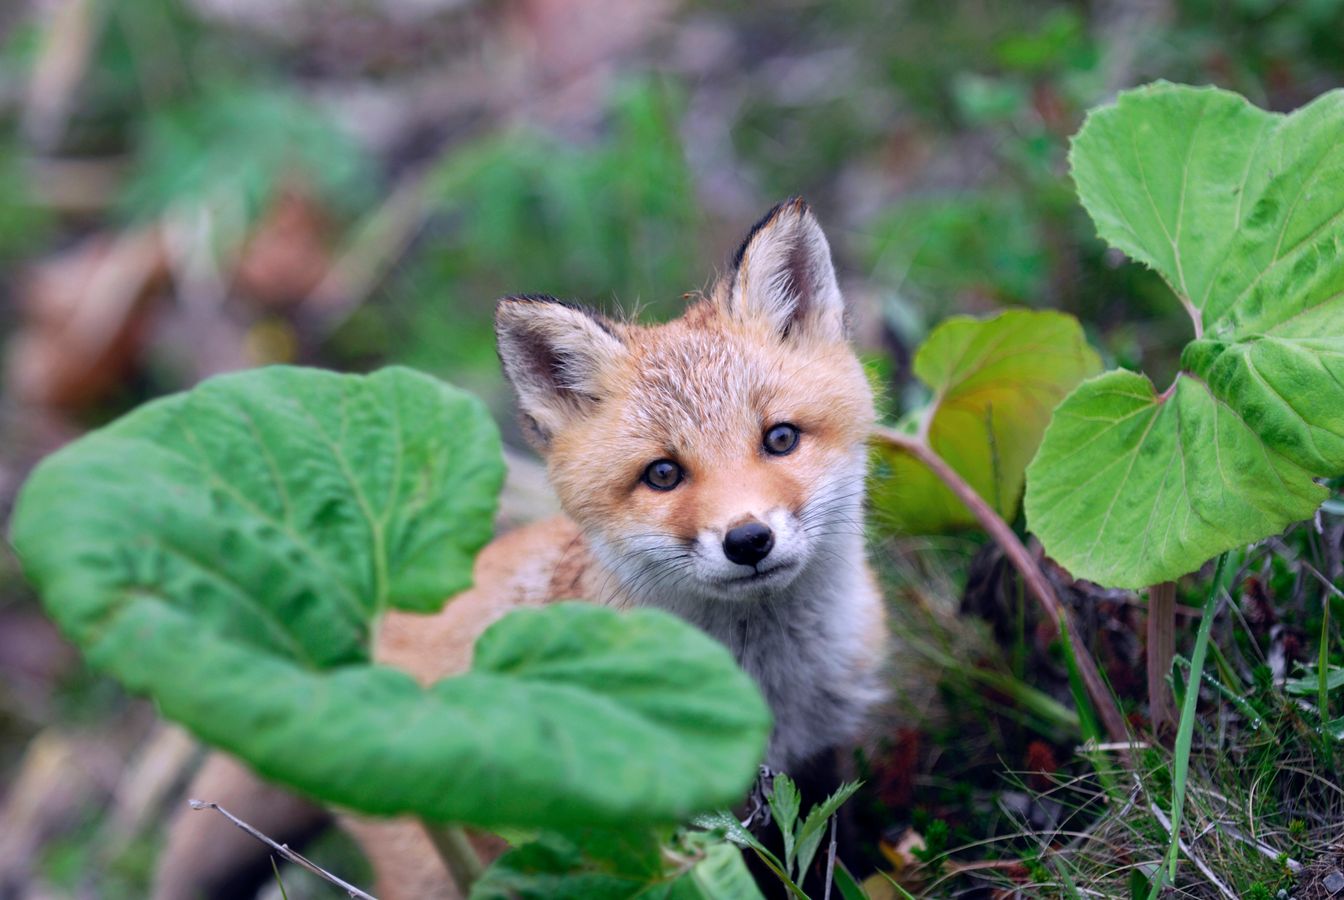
{"points": [[580, 220], [984, 244], [1240, 211], [1310, 683], [23, 224], [614, 217], [610, 865], [229, 551], [802, 838], [584, 863], [785, 802], [230, 147], [812, 829], [994, 383]]}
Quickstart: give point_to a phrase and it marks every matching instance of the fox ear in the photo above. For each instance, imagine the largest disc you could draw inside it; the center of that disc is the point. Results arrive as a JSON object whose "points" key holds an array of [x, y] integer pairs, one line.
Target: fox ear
{"points": [[553, 354], [783, 272]]}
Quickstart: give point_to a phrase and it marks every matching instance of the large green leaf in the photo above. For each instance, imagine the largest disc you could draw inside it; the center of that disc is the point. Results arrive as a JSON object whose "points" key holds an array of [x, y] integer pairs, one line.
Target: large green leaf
{"points": [[1242, 212], [229, 550], [994, 384]]}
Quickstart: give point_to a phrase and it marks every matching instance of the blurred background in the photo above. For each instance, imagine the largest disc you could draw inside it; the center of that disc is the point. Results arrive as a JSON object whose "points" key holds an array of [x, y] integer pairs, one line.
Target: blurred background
{"points": [[189, 187]]}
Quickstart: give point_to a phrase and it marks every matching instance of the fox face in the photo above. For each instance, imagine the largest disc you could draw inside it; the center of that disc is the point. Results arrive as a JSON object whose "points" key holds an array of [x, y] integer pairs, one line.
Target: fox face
{"points": [[716, 457]]}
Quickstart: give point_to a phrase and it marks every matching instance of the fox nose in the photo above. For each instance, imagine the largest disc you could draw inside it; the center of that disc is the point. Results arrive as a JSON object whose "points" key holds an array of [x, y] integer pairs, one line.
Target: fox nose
{"points": [[748, 544]]}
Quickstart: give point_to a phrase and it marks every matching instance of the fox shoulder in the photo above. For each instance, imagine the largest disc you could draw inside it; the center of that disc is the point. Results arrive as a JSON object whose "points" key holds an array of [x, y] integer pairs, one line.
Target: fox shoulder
{"points": [[530, 566]]}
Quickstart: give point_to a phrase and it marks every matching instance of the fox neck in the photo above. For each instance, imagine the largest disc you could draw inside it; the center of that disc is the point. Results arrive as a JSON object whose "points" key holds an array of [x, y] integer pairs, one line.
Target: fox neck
{"points": [[804, 645]]}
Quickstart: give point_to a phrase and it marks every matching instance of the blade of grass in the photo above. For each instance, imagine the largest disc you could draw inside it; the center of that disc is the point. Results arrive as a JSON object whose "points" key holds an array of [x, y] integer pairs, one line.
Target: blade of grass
{"points": [[279, 883], [1185, 732], [1088, 722], [901, 892], [1045, 708], [1087, 715], [1322, 662], [848, 885], [1248, 712]]}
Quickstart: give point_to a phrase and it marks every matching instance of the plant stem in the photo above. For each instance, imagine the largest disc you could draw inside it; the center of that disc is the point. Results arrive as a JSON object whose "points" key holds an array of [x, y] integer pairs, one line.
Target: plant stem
{"points": [[457, 854], [1031, 573], [1161, 651]]}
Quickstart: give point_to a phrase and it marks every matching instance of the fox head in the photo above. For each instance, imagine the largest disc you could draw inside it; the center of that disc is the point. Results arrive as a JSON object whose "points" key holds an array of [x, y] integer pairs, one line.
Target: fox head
{"points": [[718, 456]]}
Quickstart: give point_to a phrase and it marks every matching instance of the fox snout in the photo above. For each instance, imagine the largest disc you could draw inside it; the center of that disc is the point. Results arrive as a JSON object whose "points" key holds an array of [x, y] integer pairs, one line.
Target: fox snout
{"points": [[749, 543]]}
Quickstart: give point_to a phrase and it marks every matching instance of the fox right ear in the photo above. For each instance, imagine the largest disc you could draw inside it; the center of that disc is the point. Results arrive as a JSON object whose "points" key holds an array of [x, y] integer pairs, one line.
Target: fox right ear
{"points": [[553, 355], [783, 274]]}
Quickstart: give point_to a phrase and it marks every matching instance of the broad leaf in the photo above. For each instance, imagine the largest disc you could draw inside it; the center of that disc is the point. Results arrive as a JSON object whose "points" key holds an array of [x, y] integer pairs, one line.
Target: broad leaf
{"points": [[229, 550], [994, 384], [1242, 212]]}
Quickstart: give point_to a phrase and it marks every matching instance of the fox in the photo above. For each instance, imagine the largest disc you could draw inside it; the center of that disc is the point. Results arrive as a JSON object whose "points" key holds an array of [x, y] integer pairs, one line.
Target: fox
{"points": [[712, 466]]}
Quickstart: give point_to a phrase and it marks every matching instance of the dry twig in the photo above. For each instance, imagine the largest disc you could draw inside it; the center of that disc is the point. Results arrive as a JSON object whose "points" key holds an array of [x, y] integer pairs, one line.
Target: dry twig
{"points": [[297, 858]]}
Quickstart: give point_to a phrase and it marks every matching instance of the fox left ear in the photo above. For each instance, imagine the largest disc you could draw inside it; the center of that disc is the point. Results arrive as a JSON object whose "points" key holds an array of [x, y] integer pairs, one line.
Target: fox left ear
{"points": [[783, 272], [555, 355]]}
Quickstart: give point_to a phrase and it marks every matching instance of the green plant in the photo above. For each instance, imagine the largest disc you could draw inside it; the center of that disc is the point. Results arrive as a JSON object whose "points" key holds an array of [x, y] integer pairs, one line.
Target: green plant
{"points": [[229, 552], [1242, 212], [961, 458], [231, 148], [613, 865], [994, 382], [613, 216], [802, 835]]}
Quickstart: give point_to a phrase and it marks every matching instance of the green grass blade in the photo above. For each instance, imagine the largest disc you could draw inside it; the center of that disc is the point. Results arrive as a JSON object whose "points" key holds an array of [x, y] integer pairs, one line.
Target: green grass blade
{"points": [[1087, 714], [1322, 662], [848, 885], [901, 892], [1248, 712], [1186, 730]]}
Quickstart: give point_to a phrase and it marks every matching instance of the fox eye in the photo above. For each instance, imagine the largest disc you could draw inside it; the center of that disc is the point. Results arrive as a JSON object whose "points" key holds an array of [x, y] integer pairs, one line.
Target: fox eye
{"points": [[781, 439], [662, 475]]}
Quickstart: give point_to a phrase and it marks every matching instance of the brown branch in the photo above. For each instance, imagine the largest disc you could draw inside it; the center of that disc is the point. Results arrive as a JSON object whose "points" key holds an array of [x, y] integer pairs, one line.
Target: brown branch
{"points": [[297, 858], [1021, 558]]}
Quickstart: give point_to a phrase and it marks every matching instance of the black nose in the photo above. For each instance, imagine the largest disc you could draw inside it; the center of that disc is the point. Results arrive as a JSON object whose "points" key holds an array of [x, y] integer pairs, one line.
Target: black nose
{"points": [[748, 544]]}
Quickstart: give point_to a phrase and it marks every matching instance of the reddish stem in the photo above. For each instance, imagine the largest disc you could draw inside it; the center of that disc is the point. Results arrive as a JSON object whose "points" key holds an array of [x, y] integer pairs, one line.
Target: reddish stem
{"points": [[1032, 575], [1161, 651]]}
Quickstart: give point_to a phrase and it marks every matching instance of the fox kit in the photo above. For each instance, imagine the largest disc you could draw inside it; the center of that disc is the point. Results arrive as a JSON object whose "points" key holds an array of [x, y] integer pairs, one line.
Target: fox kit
{"points": [[713, 467]]}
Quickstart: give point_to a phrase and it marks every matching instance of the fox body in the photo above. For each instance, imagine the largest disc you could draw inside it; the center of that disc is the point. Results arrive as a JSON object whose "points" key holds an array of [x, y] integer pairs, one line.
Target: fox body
{"points": [[712, 466]]}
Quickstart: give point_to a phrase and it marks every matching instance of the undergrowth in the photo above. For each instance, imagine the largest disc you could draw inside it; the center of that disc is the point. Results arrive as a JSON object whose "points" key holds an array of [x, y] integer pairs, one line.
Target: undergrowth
{"points": [[1037, 810]]}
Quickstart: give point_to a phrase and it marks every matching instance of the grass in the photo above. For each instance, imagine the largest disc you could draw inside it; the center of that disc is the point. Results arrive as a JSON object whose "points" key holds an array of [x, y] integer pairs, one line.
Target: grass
{"points": [[1254, 772]]}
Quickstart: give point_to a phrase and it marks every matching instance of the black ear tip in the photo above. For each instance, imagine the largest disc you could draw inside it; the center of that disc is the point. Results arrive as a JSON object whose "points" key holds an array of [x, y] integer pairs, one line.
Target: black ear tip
{"points": [[519, 304], [512, 299], [795, 206]]}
